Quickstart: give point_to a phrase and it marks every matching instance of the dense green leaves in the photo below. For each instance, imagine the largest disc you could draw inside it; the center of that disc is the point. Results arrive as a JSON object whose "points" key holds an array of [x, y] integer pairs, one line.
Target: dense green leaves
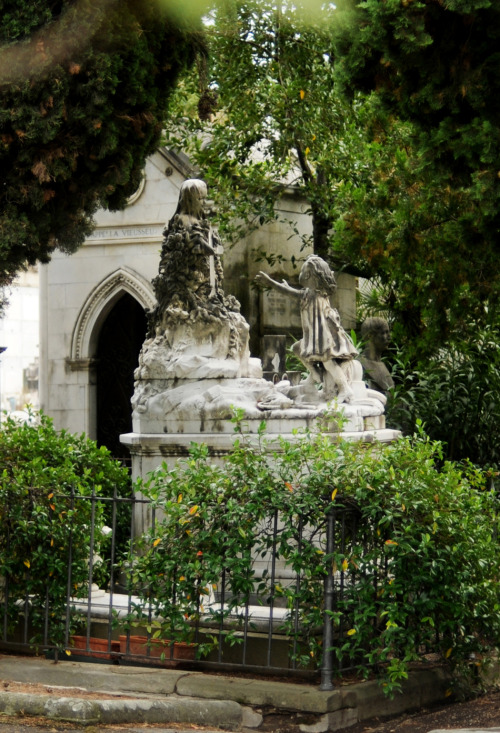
{"points": [[431, 61], [263, 115], [47, 480], [433, 65], [84, 88], [427, 219], [418, 576], [455, 394], [438, 531]]}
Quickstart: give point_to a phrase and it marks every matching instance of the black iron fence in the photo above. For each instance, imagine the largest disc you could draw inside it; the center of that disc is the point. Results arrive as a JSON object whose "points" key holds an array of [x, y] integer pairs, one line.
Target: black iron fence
{"points": [[85, 600]]}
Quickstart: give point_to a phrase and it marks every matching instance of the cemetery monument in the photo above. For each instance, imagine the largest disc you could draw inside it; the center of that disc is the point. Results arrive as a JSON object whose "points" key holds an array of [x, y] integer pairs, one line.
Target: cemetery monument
{"points": [[195, 367]]}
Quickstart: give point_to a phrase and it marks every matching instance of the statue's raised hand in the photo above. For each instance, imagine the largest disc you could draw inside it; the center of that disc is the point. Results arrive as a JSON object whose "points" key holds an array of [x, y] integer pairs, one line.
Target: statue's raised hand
{"points": [[262, 278]]}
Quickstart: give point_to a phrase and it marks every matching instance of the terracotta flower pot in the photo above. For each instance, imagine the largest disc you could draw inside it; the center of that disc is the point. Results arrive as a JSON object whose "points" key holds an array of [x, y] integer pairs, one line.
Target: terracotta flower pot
{"points": [[139, 646], [98, 648]]}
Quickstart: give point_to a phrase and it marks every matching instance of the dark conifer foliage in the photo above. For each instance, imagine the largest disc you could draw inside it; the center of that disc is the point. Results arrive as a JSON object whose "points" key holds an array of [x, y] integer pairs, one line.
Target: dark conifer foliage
{"points": [[84, 90]]}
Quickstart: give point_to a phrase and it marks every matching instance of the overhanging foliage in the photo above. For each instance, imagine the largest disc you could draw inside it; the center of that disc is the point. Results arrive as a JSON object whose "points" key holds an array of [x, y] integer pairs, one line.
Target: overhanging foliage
{"points": [[84, 89]]}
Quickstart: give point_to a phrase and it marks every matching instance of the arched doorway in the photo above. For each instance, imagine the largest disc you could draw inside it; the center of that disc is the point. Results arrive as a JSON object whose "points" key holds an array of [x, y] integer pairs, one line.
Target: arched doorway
{"points": [[118, 345]]}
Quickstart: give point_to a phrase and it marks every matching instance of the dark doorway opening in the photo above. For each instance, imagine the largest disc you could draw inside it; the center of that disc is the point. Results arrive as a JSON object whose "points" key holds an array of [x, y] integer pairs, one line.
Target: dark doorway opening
{"points": [[120, 341]]}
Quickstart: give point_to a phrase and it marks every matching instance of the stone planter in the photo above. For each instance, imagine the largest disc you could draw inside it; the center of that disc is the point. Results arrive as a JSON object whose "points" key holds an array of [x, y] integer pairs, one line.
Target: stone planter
{"points": [[139, 646]]}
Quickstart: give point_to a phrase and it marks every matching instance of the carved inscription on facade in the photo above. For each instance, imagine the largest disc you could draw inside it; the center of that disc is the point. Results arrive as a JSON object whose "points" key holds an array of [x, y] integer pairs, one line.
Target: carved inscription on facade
{"points": [[133, 232]]}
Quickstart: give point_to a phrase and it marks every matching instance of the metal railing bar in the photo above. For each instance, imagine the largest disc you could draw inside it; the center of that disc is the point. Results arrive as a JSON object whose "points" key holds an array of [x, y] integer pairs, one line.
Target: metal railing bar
{"points": [[327, 660], [273, 580]]}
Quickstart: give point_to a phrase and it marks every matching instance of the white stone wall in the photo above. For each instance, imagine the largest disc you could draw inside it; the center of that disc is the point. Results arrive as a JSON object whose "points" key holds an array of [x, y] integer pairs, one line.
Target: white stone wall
{"points": [[19, 333], [129, 239]]}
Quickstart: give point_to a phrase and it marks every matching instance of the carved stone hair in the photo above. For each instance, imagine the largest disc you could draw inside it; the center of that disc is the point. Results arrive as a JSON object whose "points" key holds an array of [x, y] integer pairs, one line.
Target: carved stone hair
{"points": [[323, 275], [191, 193], [372, 325]]}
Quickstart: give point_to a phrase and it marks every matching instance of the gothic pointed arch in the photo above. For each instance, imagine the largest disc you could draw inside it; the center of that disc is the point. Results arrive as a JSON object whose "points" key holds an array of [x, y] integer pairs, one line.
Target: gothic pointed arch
{"points": [[98, 305]]}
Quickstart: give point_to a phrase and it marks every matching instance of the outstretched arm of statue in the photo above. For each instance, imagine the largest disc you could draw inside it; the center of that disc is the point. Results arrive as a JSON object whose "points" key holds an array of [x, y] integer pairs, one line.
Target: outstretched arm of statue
{"points": [[264, 280]]}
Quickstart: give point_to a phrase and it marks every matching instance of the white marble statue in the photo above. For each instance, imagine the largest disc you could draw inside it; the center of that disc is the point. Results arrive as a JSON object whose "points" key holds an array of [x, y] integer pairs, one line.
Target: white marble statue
{"points": [[195, 331], [325, 349], [195, 367]]}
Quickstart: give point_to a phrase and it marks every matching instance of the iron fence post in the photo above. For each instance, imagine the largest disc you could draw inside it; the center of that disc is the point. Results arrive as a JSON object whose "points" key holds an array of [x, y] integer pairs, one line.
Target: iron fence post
{"points": [[329, 596]]}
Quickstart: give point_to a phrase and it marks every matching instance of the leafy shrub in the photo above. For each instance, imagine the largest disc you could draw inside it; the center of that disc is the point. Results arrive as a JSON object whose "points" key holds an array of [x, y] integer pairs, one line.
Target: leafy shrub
{"points": [[47, 480], [456, 394], [434, 526], [214, 520], [420, 575]]}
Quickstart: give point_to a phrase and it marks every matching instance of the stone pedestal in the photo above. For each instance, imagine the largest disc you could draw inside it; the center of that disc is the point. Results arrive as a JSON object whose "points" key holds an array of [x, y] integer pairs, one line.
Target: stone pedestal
{"points": [[150, 450]]}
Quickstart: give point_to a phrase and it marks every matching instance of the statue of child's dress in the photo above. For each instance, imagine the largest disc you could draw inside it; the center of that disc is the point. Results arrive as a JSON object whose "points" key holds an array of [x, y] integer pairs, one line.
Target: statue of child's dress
{"points": [[323, 337], [325, 349]]}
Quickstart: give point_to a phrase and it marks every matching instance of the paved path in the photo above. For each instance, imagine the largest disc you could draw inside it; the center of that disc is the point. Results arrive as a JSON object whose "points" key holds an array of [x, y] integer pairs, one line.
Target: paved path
{"points": [[166, 696]]}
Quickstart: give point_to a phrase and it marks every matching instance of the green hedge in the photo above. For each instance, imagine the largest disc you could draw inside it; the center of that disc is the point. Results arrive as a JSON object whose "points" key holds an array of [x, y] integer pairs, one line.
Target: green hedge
{"points": [[421, 573], [43, 476]]}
